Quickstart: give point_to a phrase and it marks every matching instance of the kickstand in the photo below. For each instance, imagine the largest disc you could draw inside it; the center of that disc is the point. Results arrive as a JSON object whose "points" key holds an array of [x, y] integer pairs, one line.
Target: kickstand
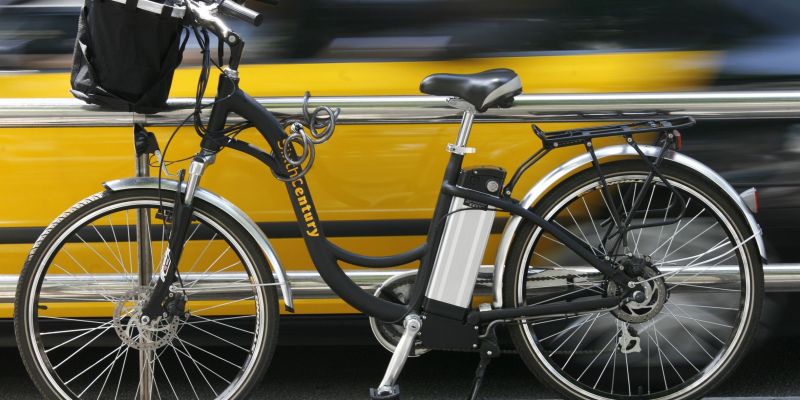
{"points": [[489, 350]]}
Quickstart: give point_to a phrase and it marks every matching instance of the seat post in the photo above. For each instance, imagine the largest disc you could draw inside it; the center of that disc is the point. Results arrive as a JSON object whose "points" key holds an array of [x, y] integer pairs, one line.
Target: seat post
{"points": [[466, 127]]}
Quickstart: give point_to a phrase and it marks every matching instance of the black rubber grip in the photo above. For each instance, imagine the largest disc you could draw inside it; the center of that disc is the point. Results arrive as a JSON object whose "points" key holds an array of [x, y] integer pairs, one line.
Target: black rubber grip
{"points": [[233, 9]]}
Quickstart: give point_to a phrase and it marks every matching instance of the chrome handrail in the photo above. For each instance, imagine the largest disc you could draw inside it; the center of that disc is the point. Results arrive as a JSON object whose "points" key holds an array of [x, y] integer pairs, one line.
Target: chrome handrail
{"points": [[309, 284], [433, 109]]}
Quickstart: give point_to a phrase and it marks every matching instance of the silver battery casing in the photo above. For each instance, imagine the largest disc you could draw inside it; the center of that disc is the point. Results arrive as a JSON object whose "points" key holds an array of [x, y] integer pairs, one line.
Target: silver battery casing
{"points": [[460, 254]]}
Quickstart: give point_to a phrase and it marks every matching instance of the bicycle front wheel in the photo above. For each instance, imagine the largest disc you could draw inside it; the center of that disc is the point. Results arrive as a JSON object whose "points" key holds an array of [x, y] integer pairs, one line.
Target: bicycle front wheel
{"points": [[699, 278], [81, 292]]}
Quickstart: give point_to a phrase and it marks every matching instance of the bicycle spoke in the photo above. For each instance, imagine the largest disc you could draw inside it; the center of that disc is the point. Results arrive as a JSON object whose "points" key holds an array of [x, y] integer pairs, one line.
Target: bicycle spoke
{"points": [[196, 365], [591, 218], [220, 338], [185, 342], [119, 251], [613, 353], [205, 274], [194, 312], [674, 285], [722, 342], [103, 239], [613, 338], [678, 229], [87, 321], [644, 220], [580, 341], [202, 253], [689, 333], [169, 381], [67, 331], [660, 359], [585, 239], [107, 372], [98, 254], [703, 306], [575, 325], [116, 350], [188, 354], [105, 327], [185, 373], [657, 333], [91, 276], [678, 351], [121, 374], [82, 347], [219, 323], [625, 212]]}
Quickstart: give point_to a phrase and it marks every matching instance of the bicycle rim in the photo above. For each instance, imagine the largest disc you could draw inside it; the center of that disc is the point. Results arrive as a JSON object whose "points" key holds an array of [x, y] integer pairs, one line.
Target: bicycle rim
{"points": [[699, 305]]}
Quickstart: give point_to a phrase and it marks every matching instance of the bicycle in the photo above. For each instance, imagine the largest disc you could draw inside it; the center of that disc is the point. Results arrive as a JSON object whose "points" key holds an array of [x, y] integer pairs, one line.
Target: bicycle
{"points": [[629, 271]]}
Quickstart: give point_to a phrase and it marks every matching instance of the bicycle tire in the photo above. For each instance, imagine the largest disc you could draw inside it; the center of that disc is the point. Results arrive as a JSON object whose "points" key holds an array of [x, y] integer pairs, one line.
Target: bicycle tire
{"points": [[78, 220], [541, 351]]}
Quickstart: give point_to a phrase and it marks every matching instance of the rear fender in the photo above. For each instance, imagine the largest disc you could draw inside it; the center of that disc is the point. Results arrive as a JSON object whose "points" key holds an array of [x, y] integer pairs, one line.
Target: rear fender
{"points": [[579, 163]]}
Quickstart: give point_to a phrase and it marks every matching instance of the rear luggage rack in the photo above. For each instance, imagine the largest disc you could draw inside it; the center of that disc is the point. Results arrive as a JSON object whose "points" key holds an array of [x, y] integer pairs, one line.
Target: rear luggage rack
{"points": [[620, 221], [551, 140]]}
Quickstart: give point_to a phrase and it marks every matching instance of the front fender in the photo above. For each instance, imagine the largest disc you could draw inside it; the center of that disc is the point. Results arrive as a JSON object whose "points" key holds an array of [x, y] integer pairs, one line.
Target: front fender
{"points": [[226, 207], [581, 162]]}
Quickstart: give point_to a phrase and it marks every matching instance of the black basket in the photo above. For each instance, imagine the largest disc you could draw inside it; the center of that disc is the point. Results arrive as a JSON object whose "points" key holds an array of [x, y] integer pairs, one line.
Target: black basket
{"points": [[126, 53]]}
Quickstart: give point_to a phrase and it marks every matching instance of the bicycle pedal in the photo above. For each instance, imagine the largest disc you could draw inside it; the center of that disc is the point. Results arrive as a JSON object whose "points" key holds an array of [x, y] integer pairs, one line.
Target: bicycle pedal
{"points": [[393, 394]]}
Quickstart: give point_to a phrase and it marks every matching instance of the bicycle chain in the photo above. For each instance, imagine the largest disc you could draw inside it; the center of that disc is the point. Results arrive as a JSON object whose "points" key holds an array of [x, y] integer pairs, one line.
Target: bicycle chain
{"points": [[545, 278]]}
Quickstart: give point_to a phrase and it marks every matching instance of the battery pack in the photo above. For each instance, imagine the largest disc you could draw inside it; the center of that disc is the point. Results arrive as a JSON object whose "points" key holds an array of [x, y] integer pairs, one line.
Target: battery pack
{"points": [[463, 243]]}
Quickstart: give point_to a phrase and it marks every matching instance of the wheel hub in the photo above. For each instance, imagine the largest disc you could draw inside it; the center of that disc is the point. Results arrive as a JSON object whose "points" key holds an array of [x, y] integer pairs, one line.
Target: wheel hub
{"points": [[136, 330]]}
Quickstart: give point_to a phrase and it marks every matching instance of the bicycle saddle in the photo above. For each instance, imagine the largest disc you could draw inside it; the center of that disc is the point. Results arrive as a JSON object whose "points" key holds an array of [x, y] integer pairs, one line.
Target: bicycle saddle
{"points": [[495, 87]]}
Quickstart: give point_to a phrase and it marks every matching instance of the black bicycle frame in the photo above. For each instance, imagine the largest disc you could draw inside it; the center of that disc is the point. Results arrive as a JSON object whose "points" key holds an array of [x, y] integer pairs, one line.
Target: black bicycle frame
{"points": [[326, 255]]}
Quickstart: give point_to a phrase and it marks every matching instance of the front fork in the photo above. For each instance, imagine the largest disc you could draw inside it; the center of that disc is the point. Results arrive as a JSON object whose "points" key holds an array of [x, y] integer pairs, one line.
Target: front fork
{"points": [[181, 218]]}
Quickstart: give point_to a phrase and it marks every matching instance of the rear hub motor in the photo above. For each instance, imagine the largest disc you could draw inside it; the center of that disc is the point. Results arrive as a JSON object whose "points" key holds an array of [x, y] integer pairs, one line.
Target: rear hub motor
{"points": [[647, 296]]}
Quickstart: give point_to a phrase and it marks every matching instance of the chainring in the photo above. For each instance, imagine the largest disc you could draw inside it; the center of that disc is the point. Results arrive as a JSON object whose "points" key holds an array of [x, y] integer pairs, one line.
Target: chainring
{"points": [[395, 289]]}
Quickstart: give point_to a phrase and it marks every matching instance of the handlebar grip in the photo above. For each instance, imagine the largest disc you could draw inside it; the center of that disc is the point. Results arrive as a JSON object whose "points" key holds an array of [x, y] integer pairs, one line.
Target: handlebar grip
{"points": [[233, 9]]}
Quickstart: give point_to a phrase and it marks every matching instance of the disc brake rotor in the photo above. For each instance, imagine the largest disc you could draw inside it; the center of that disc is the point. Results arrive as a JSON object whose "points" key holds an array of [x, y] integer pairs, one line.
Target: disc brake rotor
{"points": [[136, 334]]}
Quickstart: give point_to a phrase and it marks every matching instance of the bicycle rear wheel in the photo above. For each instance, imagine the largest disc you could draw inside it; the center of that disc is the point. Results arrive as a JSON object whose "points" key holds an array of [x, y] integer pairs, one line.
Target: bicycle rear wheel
{"points": [[701, 276], [80, 296]]}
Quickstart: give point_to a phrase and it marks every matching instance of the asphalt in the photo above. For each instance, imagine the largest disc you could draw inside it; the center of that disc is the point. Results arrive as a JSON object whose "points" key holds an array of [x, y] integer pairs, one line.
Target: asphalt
{"points": [[346, 372], [342, 361]]}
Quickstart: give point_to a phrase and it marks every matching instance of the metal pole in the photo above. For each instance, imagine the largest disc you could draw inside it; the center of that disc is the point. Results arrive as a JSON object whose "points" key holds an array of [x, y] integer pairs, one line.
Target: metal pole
{"points": [[145, 271]]}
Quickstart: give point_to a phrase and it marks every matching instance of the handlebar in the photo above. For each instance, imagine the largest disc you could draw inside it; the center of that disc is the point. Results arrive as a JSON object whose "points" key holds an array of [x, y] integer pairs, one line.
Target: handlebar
{"points": [[206, 14], [233, 9]]}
